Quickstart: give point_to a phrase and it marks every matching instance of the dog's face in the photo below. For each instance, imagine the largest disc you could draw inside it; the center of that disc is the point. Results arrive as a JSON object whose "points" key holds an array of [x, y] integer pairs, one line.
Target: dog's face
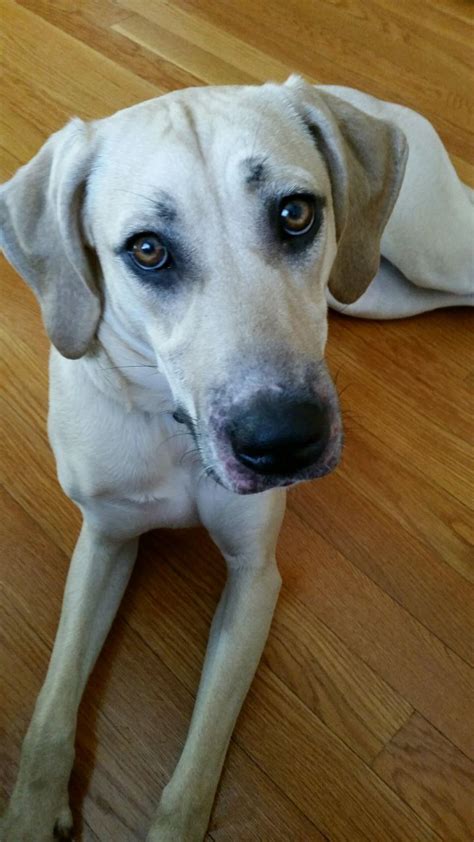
{"points": [[212, 218], [217, 218]]}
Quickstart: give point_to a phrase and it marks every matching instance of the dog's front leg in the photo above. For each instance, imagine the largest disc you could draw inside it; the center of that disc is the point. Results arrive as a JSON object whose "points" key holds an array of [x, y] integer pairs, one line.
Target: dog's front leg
{"points": [[238, 634], [99, 572]]}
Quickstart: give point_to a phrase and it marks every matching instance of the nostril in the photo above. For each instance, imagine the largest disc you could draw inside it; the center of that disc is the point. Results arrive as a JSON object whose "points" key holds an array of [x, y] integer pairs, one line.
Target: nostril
{"points": [[279, 460]]}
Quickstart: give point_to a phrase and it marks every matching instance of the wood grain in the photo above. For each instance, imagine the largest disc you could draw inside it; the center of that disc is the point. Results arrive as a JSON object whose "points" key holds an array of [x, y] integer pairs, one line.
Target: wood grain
{"points": [[358, 725], [384, 634], [417, 754]]}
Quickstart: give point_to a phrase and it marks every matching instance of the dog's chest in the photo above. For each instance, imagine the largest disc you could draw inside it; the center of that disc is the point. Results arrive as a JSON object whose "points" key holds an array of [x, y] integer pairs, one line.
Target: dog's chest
{"points": [[133, 471], [153, 476], [164, 499]]}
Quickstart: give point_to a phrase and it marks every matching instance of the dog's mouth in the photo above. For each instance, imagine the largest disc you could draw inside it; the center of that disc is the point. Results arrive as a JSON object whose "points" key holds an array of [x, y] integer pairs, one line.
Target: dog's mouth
{"points": [[270, 441], [271, 424], [261, 470]]}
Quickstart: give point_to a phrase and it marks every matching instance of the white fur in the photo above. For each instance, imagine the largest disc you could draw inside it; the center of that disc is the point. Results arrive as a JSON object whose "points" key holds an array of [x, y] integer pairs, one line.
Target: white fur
{"points": [[428, 242]]}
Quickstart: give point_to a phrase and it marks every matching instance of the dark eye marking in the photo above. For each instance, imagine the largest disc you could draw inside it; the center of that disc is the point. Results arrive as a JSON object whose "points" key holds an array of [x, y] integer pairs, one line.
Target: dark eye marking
{"points": [[255, 169]]}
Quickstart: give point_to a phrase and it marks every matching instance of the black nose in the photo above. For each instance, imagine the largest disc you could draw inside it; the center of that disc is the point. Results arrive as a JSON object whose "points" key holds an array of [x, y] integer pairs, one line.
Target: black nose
{"points": [[274, 435]]}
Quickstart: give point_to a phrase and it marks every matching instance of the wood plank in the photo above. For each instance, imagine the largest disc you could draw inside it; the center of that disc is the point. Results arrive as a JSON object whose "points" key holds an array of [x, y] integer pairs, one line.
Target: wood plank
{"points": [[92, 86], [8, 162], [21, 312], [409, 658], [26, 123], [411, 573], [432, 776], [119, 789], [91, 22], [317, 772], [445, 333], [402, 493], [167, 23], [410, 375], [441, 456], [160, 26], [209, 68], [332, 682], [372, 626], [421, 345]]}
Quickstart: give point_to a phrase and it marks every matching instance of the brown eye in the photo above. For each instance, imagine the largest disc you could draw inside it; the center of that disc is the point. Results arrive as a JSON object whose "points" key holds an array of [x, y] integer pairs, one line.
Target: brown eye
{"points": [[148, 252], [297, 214]]}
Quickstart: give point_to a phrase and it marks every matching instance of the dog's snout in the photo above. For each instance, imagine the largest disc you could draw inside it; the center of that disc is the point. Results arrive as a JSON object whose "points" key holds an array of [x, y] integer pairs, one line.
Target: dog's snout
{"points": [[274, 435]]}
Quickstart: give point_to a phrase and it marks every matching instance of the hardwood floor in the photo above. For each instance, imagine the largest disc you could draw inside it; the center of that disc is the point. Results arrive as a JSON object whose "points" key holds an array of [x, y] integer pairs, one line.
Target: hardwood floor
{"points": [[359, 723]]}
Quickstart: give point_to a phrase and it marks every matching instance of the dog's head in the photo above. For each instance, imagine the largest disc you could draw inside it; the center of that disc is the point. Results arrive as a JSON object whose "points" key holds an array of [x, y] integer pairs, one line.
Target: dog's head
{"points": [[210, 223]]}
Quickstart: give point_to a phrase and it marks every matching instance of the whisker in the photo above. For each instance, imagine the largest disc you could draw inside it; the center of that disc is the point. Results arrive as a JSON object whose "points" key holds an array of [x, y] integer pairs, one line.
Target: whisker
{"points": [[348, 416], [207, 471], [176, 435], [152, 201], [193, 452], [344, 389], [118, 367]]}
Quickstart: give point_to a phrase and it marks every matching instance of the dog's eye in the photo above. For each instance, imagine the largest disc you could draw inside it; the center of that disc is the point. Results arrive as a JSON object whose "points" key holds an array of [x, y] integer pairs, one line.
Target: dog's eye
{"points": [[148, 252], [297, 214]]}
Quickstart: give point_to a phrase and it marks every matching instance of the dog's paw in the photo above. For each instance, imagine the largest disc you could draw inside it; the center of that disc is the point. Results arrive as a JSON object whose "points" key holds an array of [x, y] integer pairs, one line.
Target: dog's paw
{"points": [[173, 834], [41, 825], [63, 827], [169, 826]]}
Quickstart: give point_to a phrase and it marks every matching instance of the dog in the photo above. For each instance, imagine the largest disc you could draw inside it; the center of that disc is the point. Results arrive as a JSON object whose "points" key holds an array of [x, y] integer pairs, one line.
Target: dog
{"points": [[195, 238]]}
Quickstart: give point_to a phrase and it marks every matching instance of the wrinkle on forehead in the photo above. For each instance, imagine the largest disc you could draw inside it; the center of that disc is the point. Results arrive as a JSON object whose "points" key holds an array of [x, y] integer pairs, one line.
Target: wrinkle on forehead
{"points": [[195, 127], [197, 115]]}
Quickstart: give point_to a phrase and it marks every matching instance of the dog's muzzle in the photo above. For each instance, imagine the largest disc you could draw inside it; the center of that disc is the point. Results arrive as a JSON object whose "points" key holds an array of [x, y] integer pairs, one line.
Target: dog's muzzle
{"points": [[275, 438]]}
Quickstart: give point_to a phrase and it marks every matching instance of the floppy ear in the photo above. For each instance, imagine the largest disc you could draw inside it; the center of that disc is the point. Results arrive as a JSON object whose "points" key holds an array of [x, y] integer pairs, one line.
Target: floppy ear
{"points": [[366, 160], [40, 232]]}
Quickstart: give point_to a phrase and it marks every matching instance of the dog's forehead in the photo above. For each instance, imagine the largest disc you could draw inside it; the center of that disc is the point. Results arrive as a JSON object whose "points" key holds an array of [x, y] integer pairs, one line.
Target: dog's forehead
{"points": [[184, 150], [219, 128]]}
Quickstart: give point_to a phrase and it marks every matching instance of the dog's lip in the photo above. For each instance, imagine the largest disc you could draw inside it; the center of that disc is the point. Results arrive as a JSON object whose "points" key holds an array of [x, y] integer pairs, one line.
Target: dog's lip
{"points": [[246, 481]]}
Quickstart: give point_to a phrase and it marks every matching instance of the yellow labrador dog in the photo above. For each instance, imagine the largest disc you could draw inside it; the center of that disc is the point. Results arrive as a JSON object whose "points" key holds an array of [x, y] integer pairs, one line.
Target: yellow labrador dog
{"points": [[195, 236]]}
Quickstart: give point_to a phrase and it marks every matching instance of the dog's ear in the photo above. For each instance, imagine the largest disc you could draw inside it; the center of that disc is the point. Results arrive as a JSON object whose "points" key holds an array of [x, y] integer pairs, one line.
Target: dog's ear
{"points": [[40, 232], [366, 160]]}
